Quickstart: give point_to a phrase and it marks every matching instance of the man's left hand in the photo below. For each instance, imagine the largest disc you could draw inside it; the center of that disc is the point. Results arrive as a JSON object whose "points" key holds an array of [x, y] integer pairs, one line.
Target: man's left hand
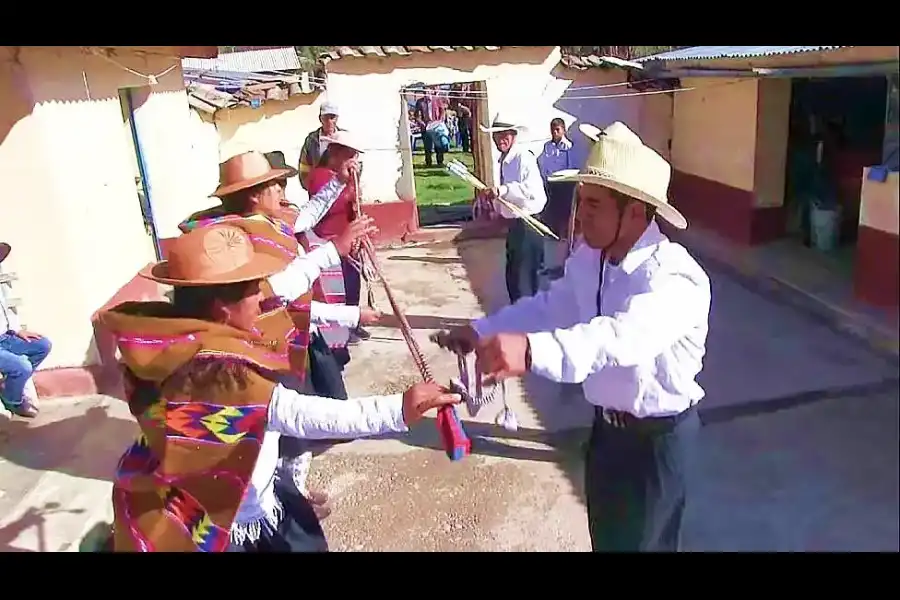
{"points": [[502, 356], [28, 336]]}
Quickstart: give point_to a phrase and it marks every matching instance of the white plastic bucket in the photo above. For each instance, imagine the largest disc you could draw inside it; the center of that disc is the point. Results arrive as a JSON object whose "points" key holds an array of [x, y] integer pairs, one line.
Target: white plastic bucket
{"points": [[824, 228]]}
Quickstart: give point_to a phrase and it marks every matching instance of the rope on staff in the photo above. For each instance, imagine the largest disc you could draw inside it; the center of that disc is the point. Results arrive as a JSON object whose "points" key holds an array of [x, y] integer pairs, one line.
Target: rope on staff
{"points": [[456, 443]]}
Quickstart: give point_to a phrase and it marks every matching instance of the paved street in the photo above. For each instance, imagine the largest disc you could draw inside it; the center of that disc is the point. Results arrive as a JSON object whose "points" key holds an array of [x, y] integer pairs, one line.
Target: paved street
{"points": [[800, 445]]}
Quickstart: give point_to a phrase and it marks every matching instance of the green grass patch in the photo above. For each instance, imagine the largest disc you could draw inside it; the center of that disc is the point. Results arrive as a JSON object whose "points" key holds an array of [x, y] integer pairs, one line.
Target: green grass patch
{"points": [[437, 187]]}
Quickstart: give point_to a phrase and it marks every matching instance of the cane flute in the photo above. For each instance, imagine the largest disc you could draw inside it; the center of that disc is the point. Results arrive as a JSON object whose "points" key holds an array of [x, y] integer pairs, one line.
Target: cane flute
{"points": [[456, 442]]}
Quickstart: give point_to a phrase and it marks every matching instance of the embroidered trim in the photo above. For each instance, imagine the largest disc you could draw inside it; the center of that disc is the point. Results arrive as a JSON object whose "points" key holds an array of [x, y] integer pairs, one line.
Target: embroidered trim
{"points": [[250, 531]]}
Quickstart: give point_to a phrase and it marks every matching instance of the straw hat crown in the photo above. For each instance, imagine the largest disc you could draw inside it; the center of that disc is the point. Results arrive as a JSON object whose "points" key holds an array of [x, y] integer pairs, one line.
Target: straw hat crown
{"points": [[214, 255], [621, 161], [245, 171]]}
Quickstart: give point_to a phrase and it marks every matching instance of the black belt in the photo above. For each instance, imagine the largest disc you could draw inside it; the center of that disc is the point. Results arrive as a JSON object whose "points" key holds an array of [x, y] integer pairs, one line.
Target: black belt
{"points": [[619, 419]]}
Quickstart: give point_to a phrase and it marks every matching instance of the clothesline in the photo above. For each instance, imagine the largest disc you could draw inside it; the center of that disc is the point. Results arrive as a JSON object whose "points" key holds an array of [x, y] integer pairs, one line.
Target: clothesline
{"points": [[480, 94], [543, 138]]}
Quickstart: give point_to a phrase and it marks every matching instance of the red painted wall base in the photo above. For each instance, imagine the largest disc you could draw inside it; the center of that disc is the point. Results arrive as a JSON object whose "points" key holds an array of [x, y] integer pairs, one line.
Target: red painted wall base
{"points": [[728, 211], [876, 273]]}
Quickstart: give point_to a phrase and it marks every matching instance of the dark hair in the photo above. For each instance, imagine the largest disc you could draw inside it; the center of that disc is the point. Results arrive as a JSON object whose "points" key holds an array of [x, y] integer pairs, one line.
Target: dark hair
{"points": [[557, 121], [197, 302], [624, 200]]}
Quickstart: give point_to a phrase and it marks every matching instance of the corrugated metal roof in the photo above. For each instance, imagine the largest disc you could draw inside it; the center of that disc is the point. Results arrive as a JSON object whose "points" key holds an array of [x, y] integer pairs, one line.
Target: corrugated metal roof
{"points": [[712, 52], [248, 61], [363, 51]]}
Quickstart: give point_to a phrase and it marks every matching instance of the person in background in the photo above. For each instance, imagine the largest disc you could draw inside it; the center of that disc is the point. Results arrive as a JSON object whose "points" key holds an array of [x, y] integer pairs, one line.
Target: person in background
{"points": [[628, 321], [342, 147], [316, 143], [463, 109], [521, 185], [21, 352], [556, 156], [429, 111], [205, 388]]}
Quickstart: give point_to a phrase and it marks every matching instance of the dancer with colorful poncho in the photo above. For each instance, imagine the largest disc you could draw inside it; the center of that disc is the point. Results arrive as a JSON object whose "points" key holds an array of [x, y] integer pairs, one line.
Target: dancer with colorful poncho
{"points": [[249, 186], [204, 385]]}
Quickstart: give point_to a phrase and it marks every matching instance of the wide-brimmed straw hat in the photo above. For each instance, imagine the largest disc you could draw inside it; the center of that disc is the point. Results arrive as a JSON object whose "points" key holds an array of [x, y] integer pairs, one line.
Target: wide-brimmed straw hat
{"points": [[216, 255], [245, 171], [502, 122], [5, 249], [277, 161], [621, 161], [346, 138]]}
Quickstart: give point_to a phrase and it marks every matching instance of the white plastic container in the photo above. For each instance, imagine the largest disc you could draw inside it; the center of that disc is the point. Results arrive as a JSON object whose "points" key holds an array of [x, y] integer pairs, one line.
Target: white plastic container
{"points": [[824, 228]]}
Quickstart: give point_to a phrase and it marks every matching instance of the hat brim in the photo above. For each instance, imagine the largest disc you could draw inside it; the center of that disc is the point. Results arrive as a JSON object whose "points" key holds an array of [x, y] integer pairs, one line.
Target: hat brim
{"points": [[665, 210], [592, 132], [224, 190], [5, 249], [262, 266], [353, 145], [499, 128]]}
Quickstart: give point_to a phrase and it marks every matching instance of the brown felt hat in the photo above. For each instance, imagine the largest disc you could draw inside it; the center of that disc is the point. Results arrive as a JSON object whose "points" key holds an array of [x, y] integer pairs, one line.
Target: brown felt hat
{"points": [[5, 249], [215, 255], [245, 171]]}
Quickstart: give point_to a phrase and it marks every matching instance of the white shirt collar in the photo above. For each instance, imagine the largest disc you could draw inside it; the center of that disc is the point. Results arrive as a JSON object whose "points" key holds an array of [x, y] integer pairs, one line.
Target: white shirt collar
{"points": [[642, 249]]}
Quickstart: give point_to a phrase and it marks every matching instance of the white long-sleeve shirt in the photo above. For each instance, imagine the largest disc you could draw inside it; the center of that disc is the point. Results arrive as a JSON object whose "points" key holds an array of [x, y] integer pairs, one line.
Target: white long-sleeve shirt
{"points": [[520, 183], [309, 417], [318, 205], [643, 352], [298, 277]]}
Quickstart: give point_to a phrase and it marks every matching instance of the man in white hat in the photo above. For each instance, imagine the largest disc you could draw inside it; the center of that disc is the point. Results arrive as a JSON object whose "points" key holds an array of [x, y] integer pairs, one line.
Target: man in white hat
{"points": [[521, 185], [316, 142], [628, 321]]}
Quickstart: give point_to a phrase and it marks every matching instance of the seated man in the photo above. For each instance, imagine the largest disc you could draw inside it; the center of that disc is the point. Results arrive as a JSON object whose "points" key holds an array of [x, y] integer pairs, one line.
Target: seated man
{"points": [[20, 354]]}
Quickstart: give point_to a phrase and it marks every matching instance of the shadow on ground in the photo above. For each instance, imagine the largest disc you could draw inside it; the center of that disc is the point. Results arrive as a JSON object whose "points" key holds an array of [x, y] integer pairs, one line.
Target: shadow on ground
{"points": [[767, 363], [34, 518], [85, 445]]}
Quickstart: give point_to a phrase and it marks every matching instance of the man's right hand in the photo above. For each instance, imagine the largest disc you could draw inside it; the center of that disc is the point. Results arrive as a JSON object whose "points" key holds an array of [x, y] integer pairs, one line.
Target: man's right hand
{"points": [[461, 340], [348, 239], [422, 397], [348, 170]]}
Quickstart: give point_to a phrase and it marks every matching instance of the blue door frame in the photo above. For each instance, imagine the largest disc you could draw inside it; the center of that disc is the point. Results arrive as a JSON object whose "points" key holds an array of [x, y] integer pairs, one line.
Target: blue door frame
{"points": [[147, 204]]}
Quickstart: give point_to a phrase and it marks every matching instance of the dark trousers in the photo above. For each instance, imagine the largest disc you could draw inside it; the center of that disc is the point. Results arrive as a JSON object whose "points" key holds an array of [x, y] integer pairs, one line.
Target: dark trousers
{"points": [[352, 283], [636, 479], [323, 378], [428, 140], [465, 136], [524, 260]]}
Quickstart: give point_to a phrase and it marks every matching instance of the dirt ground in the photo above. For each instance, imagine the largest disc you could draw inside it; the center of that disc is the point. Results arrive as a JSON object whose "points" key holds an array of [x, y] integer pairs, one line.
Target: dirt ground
{"points": [[794, 414], [513, 493]]}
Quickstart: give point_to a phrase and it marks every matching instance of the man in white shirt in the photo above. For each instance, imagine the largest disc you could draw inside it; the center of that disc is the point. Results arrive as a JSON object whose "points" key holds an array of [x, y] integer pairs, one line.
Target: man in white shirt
{"points": [[628, 321], [521, 185], [556, 156], [21, 352]]}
